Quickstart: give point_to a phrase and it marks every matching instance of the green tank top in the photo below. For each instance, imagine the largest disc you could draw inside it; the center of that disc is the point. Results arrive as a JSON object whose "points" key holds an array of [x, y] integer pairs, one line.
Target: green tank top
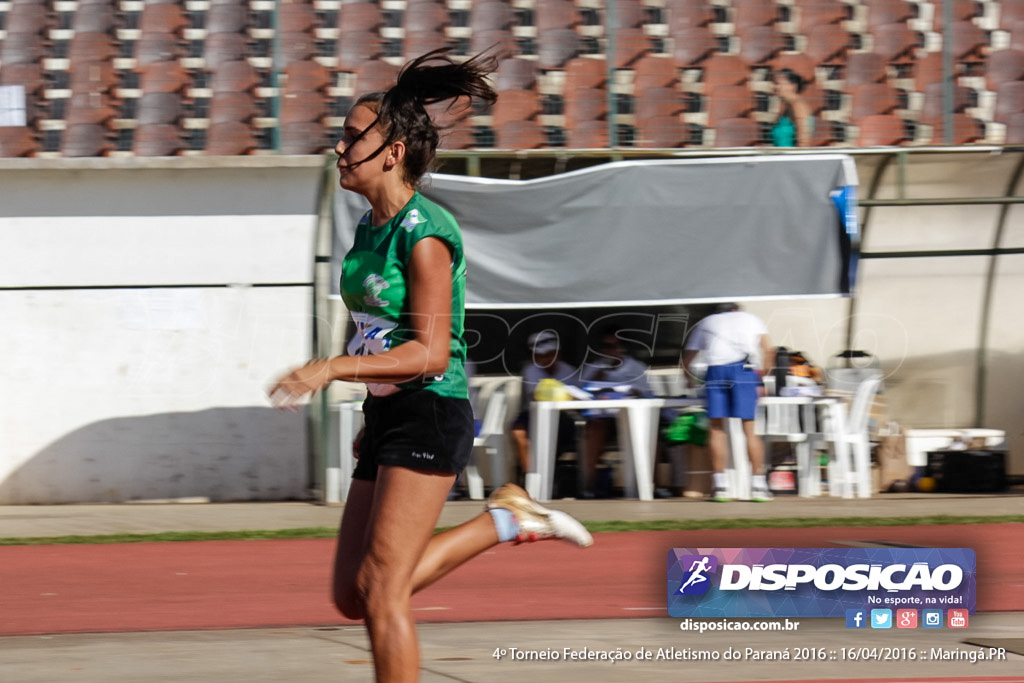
{"points": [[375, 283], [784, 132]]}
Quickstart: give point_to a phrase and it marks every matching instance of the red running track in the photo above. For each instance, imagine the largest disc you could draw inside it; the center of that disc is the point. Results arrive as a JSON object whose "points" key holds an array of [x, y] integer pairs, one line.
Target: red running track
{"points": [[251, 584]]}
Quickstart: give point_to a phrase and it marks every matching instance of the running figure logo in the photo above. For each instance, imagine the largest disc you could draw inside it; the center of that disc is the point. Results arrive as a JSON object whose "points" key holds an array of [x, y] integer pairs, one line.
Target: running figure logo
{"points": [[696, 580]]}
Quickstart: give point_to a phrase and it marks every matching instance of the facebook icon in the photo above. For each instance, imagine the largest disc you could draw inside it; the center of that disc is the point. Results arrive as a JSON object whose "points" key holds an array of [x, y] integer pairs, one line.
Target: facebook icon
{"points": [[856, 618]]}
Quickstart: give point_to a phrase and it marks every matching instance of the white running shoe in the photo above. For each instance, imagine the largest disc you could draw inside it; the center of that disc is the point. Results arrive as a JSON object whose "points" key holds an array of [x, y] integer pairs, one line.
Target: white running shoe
{"points": [[761, 494], [537, 522]]}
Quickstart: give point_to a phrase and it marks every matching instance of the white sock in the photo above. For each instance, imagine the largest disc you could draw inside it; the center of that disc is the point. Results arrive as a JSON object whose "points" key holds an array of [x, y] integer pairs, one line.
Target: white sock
{"points": [[718, 478], [759, 482]]}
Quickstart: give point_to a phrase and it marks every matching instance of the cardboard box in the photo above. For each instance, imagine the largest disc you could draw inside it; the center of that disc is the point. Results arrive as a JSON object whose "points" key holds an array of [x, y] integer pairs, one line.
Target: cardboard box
{"points": [[892, 461]]}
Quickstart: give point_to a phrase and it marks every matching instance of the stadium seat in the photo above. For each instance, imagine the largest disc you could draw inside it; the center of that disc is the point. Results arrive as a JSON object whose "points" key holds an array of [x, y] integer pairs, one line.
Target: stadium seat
{"points": [[963, 11], [822, 133], [26, 19], [555, 14], [587, 135], [881, 130], [302, 137], [17, 141], [359, 17], [230, 138], [729, 102], [584, 72], [870, 99], [895, 42], [159, 107], [355, 49], [158, 140], [86, 140], [966, 129], [515, 74], [583, 104], [631, 44], [969, 41], [89, 108], [158, 47], [168, 77], [693, 45], [630, 13], [827, 44], [1009, 101], [654, 72], [1011, 15], [425, 17], [661, 132], [884, 12], [416, 43], [721, 70], [227, 107], [227, 18], [658, 102], [238, 76], [927, 69], [491, 15], [934, 106], [1014, 131], [92, 77], [1003, 66], [760, 44], [221, 48], [515, 105], [557, 46], [520, 135], [308, 76], [94, 18], [29, 76], [296, 17], [164, 19], [375, 76], [296, 47], [496, 42], [88, 47], [750, 13], [461, 138], [737, 132], [684, 14], [812, 13], [302, 107], [20, 48], [864, 67]]}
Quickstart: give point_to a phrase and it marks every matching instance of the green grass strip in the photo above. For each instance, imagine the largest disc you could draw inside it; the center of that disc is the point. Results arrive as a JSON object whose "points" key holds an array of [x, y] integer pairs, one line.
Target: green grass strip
{"points": [[646, 525]]}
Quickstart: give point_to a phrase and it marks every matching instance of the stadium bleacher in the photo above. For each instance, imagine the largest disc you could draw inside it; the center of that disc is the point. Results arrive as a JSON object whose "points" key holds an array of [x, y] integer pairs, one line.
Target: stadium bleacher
{"points": [[230, 77]]}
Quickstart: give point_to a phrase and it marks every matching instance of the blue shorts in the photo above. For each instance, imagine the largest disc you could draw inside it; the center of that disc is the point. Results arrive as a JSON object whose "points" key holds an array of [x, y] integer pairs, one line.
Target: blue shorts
{"points": [[732, 391]]}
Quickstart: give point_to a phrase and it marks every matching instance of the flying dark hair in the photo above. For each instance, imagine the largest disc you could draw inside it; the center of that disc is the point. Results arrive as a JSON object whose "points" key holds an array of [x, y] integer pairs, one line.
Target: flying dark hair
{"points": [[429, 79]]}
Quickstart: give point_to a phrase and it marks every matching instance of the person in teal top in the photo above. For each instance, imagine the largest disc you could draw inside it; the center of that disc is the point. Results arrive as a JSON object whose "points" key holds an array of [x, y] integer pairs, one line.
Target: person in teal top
{"points": [[404, 282], [795, 124]]}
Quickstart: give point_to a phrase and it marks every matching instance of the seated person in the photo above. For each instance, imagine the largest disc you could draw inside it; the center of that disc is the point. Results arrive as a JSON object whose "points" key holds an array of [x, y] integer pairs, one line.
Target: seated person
{"points": [[615, 375], [544, 364]]}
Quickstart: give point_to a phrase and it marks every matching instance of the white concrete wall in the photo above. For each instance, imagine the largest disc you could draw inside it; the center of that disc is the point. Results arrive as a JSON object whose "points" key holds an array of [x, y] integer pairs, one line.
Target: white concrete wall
{"points": [[145, 305]]}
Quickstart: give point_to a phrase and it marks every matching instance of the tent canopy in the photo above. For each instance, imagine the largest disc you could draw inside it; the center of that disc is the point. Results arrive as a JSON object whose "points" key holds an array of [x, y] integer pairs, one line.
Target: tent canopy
{"points": [[648, 232]]}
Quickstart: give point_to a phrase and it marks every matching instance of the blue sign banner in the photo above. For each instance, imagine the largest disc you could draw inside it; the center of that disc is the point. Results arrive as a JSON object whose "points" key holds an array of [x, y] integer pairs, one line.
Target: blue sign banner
{"points": [[817, 582]]}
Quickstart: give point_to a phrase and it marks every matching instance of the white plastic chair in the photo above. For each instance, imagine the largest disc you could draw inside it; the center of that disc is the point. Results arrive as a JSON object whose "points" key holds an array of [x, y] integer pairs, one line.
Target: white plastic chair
{"points": [[492, 440], [847, 429]]}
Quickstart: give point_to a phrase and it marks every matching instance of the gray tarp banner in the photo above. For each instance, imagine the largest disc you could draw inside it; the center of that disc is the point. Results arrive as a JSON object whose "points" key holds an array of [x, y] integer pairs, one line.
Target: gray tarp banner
{"points": [[644, 232]]}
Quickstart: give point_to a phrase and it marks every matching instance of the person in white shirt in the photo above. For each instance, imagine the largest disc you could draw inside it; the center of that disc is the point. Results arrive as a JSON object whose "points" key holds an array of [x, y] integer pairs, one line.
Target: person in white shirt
{"points": [[737, 352]]}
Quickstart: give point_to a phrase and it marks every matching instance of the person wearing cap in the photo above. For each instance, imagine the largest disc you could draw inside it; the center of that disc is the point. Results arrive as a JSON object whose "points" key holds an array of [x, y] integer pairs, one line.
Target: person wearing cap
{"points": [[738, 353], [544, 363]]}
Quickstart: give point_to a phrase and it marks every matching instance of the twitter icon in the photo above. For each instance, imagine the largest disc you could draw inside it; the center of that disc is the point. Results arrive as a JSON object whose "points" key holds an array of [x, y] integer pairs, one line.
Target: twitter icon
{"points": [[881, 618]]}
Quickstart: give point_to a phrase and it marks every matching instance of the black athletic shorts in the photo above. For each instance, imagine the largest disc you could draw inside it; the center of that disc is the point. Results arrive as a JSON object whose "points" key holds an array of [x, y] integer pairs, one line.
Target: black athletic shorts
{"points": [[415, 428]]}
